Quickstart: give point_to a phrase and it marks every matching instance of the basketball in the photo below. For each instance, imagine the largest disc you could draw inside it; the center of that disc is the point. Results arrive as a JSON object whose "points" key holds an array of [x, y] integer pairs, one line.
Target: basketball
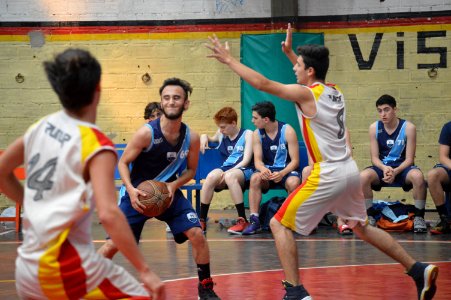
{"points": [[157, 198]]}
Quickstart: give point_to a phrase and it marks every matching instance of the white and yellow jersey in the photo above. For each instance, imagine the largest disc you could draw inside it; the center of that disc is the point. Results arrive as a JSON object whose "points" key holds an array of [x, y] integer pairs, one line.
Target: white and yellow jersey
{"points": [[324, 133], [57, 259]]}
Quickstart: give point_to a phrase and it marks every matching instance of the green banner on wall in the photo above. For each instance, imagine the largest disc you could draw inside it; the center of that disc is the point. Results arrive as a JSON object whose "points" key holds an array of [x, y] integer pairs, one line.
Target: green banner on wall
{"points": [[263, 53]]}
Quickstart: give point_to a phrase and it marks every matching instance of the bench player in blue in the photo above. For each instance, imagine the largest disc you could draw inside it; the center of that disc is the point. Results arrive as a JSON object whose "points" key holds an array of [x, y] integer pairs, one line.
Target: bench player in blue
{"points": [[392, 147], [235, 147], [166, 150], [439, 181], [276, 160]]}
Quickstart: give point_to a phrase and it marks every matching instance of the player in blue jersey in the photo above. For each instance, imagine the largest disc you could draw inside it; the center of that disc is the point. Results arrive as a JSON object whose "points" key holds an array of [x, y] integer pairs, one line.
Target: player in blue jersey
{"points": [[439, 181], [165, 149], [276, 160], [235, 146], [393, 144]]}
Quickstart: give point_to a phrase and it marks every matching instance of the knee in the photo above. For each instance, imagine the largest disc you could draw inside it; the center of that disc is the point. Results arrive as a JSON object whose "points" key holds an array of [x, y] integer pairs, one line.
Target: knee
{"points": [[365, 178], [433, 176], [274, 225], [417, 179], [196, 237], [230, 179], [255, 180], [210, 181], [292, 184]]}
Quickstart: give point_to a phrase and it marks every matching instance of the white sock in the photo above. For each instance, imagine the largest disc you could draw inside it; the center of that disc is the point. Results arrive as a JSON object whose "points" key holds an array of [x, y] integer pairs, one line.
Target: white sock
{"points": [[255, 214], [420, 204]]}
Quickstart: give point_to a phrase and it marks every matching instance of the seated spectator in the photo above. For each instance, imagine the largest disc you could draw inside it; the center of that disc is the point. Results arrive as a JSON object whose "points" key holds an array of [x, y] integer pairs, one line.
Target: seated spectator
{"points": [[439, 180], [342, 227], [392, 147], [152, 111], [276, 160], [235, 146]]}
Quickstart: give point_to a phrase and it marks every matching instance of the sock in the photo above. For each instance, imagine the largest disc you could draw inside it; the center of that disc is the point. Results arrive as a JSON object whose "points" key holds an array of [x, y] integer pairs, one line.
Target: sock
{"points": [[368, 203], [441, 209], [241, 210], [255, 214], [204, 211], [416, 271], [203, 271], [419, 208]]}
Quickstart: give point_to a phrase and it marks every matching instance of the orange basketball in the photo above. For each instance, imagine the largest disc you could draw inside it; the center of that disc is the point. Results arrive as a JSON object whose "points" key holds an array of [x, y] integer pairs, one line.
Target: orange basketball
{"points": [[157, 198]]}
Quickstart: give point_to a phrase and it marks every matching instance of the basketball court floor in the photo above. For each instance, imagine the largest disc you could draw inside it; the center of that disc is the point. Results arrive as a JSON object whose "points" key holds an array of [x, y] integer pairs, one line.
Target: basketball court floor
{"points": [[331, 266]]}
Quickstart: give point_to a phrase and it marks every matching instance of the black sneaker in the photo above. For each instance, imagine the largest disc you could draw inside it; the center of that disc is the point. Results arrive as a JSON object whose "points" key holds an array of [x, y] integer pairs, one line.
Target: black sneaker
{"points": [[443, 226], [295, 292], [425, 276], [205, 289]]}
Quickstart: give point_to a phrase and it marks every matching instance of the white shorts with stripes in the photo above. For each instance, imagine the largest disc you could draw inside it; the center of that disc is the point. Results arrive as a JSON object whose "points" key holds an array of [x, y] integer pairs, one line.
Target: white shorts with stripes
{"points": [[331, 187]]}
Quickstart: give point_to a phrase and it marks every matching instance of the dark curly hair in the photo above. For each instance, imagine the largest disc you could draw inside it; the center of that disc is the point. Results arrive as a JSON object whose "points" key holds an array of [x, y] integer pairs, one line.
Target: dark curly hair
{"points": [[74, 75]]}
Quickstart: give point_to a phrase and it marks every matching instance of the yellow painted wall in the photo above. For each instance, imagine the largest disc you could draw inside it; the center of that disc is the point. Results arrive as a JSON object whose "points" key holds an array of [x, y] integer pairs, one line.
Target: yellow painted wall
{"points": [[124, 59]]}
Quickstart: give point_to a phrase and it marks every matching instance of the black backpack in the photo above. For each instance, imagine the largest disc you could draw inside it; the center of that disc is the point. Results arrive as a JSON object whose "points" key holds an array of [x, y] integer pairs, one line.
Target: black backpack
{"points": [[268, 210]]}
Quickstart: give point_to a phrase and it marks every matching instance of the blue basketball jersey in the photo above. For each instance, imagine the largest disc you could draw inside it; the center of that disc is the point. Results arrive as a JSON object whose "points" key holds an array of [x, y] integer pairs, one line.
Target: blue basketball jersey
{"points": [[275, 152], [232, 151], [160, 160], [392, 147]]}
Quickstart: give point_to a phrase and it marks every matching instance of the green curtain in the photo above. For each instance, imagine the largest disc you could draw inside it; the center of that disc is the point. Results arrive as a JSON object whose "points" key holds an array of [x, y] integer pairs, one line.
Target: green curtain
{"points": [[263, 53]]}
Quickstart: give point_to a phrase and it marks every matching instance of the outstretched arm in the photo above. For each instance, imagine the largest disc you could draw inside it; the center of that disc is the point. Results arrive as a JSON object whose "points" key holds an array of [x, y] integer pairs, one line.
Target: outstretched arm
{"points": [[292, 92]]}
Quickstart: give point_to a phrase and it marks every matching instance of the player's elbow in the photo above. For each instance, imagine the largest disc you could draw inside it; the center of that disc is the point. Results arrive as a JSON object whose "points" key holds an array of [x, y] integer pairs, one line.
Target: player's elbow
{"points": [[108, 216]]}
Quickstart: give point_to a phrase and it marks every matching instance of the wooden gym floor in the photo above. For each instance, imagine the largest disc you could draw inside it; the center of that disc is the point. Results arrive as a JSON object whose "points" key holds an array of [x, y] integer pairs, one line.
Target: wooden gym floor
{"points": [[331, 266]]}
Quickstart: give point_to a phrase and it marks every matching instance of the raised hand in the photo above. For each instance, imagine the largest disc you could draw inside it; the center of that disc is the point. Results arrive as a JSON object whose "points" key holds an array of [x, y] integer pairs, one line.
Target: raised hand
{"points": [[219, 51], [287, 45]]}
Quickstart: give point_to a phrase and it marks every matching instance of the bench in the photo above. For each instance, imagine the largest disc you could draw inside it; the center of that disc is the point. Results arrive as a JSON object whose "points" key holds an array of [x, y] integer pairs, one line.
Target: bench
{"points": [[210, 160]]}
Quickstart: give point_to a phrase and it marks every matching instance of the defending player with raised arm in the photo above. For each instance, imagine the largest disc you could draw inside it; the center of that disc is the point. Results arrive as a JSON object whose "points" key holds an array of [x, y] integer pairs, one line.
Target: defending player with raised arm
{"points": [[68, 162], [334, 184]]}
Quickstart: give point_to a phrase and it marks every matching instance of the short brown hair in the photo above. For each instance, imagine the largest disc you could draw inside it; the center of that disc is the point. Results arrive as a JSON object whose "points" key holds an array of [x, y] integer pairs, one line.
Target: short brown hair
{"points": [[227, 115]]}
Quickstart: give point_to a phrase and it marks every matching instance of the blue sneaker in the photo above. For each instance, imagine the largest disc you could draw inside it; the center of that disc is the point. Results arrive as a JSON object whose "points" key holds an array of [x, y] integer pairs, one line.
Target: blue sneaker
{"points": [[254, 226], [425, 276]]}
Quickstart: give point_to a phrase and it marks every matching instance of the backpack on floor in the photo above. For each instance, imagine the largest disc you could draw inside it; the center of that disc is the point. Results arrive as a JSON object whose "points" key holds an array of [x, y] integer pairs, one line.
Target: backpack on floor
{"points": [[404, 225], [397, 217], [268, 210]]}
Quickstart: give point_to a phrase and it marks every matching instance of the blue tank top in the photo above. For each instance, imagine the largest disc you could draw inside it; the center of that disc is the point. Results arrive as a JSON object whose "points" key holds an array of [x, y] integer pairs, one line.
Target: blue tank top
{"points": [[392, 147], [275, 152], [232, 151], [161, 160]]}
